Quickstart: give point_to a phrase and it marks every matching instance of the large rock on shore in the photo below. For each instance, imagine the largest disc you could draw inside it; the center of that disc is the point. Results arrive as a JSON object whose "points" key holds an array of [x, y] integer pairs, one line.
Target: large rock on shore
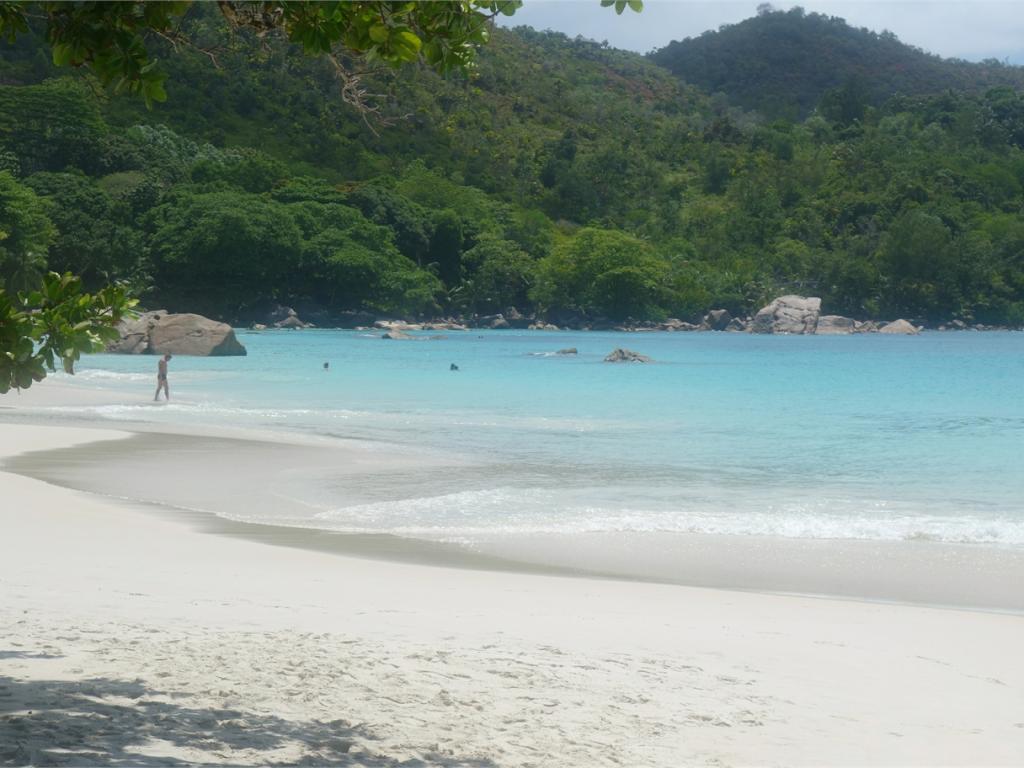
{"points": [[833, 325], [159, 332], [626, 356], [718, 319], [899, 326], [190, 334], [135, 334], [788, 314]]}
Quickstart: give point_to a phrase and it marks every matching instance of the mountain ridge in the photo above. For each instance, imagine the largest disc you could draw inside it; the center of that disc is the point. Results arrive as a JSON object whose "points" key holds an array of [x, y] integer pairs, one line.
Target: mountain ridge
{"points": [[781, 63]]}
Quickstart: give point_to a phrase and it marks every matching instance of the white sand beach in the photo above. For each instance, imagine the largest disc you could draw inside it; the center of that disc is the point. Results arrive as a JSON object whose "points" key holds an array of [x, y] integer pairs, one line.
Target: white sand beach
{"points": [[131, 636]]}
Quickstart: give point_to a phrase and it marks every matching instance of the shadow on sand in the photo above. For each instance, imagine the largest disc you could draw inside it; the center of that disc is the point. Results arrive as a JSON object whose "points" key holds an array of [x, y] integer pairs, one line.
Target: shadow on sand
{"points": [[106, 722]]}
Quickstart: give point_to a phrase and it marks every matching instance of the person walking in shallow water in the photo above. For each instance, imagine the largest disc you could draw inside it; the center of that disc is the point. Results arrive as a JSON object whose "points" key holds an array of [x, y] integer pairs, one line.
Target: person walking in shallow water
{"points": [[161, 378]]}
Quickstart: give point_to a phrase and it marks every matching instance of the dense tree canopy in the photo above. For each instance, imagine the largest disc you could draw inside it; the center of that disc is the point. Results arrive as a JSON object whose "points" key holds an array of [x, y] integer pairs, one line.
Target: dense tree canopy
{"points": [[25, 234], [111, 38], [241, 243], [561, 176]]}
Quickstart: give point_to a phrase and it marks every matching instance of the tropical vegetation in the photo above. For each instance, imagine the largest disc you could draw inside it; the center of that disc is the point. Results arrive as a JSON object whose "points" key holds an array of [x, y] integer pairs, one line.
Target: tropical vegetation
{"points": [[559, 176]]}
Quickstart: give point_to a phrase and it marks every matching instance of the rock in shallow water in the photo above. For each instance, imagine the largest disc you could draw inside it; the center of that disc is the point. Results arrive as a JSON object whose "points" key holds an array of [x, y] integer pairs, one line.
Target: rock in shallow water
{"points": [[190, 334], [626, 356]]}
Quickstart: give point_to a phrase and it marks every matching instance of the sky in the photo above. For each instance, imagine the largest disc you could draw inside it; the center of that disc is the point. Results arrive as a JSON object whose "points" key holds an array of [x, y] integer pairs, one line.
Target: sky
{"points": [[969, 29]]}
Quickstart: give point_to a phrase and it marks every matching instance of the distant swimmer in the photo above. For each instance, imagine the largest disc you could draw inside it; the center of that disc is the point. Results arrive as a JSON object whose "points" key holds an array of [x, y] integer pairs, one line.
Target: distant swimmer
{"points": [[327, 366], [453, 367], [161, 378]]}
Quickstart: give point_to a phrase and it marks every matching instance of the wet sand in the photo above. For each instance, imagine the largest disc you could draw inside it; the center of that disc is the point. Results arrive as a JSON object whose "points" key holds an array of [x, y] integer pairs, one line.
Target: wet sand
{"points": [[232, 480]]}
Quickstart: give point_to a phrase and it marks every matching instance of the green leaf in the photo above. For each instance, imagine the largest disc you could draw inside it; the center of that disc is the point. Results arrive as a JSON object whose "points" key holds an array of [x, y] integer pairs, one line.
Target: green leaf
{"points": [[22, 378], [408, 40], [61, 55]]}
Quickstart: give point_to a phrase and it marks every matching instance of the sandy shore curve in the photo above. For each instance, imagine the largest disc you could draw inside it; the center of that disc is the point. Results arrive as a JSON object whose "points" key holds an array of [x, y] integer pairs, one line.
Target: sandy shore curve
{"points": [[131, 637]]}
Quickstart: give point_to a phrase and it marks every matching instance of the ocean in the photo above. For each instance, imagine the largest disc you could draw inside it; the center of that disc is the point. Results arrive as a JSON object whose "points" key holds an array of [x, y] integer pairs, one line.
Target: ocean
{"points": [[865, 437]]}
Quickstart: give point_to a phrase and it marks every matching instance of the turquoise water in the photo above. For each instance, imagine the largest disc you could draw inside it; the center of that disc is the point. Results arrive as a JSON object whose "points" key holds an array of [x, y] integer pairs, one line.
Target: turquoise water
{"points": [[863, 437]]}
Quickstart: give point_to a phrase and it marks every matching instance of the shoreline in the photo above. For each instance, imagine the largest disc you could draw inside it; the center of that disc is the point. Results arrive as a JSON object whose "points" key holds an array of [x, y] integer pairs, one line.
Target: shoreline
{"points": [[445, 325], [286, 318], [207, 648], [232, 491], [923, 573]]}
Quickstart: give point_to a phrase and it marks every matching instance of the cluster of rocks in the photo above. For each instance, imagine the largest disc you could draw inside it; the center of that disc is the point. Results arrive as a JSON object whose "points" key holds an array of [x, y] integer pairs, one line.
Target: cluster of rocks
{"points": [[160, 332], [802, 315], [785, 315], [398, 329], [789, 315], [401, 326], [304, 314], [282, 317], [510, 318], [715, 320], [626, 356], [960, 325]]}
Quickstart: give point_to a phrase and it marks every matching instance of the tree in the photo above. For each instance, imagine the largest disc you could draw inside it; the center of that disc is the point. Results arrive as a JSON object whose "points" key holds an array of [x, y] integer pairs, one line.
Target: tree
{"points": [[25, 234], [58, 322], [220, 250], [627, 292], [93, 237], [50, 125], [604, 272], [56, 127], [500, 275], [248, 170], [110, 38], [919, 255], [410, 222], [846, 104], [446, 246], [350, 262]]}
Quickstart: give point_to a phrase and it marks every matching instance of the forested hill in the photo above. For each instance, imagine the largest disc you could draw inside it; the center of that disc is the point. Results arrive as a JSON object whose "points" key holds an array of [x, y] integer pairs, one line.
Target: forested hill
{"points": [[781, 63], [564, 178]]}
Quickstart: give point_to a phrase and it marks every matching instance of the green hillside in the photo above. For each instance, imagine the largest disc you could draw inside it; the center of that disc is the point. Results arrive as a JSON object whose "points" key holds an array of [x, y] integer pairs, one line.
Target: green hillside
{"points": [[782, 63], [564, 177]]}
